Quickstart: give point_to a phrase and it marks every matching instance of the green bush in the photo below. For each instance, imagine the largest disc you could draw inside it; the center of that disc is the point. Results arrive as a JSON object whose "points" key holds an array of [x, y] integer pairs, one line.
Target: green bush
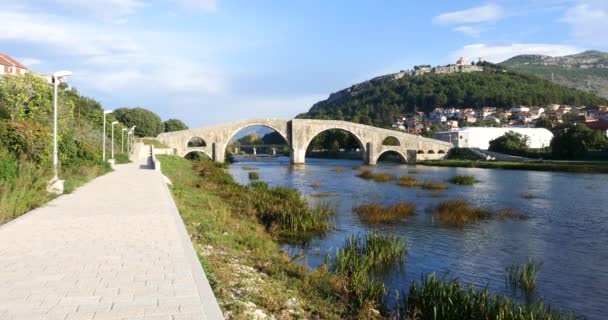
{"points": [[174, 125], [148, 123], [27, 140], [8, 166]]}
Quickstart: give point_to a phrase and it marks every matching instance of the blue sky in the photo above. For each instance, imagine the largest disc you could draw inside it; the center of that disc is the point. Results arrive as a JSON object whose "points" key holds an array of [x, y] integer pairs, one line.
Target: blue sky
{"points": [[214, 61]]}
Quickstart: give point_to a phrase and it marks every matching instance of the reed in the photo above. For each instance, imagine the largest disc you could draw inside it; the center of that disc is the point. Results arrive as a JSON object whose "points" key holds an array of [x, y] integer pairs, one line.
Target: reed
{"points": [[434, 185], [407, 181], [375, 212], [362, 256], [315, 185], [414, 171], [254, 176], [463, 180], [378, 177], [248, 168], [434, 298], [458, 212], [359, 168], [524, 276], [505, 214], [337, 169]]}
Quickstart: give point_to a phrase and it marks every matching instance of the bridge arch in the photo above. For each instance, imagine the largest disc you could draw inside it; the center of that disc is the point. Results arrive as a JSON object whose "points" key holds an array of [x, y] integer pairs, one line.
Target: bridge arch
{"points": [[256, 124], [360, 142], [402, 156], [391, 141], [197, 154], [196, 142], [431, 152]]}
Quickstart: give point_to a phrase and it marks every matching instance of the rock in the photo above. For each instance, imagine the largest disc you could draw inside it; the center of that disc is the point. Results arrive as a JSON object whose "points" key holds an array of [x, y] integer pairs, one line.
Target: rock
{"points": [[291, 303]]}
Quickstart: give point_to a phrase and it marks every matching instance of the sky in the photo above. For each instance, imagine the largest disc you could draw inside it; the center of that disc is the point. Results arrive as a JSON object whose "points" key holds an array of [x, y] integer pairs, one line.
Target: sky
{"points": [[216, 61]]}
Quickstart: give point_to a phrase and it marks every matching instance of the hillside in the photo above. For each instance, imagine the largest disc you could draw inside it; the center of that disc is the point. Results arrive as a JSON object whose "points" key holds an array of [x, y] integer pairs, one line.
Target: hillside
{"points": [[586, 71], [380, 100]]}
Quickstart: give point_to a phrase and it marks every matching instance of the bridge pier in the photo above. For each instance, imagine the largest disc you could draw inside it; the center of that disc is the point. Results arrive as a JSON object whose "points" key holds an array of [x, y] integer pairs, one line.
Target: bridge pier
{"points": [[298, 156], [255, 152], [219, 152]]}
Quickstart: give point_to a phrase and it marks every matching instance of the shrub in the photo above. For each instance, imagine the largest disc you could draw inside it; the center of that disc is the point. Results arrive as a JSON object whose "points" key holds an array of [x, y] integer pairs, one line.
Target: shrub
{"points": [[8, 166], [378, 177], [434, 185], [407, 181], [28, 191], [174, 125], [148, 123], [26, 140], [254, 176]]}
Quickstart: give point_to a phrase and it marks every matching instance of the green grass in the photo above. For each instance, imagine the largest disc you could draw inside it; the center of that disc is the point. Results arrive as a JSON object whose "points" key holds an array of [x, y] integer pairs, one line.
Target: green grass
{"points": [[458, 212], [523, 276], [376, 212], [579, 167], [433, 298], [227, 225], [157, 144], [463, 180], [121, 158], [253, 176]]}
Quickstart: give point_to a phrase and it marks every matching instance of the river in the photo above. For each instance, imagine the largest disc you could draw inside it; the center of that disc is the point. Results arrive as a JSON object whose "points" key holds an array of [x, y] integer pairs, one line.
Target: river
{"points": [[566, 229]]}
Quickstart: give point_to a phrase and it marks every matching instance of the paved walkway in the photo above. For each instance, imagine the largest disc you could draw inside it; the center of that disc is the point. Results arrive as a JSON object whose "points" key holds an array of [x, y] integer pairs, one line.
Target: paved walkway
{"points": [[114, 249]]}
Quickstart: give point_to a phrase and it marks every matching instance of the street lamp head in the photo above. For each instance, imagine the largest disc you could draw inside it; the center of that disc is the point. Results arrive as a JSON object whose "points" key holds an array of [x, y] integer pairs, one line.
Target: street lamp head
{"points": [[107, 111], [62, 74], [124, 129], [114, 122]]}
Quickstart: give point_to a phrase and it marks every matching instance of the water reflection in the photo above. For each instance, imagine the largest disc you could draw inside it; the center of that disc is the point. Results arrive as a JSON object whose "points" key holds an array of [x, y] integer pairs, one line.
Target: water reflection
{"points": [[566, 229]]}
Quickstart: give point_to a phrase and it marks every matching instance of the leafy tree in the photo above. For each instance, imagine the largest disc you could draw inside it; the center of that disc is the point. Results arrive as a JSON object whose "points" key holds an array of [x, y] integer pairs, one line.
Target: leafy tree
{"points": [[147, 123], [273, 138], [174, 125], [510, 143], [576, 139]]}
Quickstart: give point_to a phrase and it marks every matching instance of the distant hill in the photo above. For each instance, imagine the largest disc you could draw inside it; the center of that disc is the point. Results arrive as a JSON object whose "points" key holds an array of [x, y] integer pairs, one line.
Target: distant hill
{"points": [[380, 100], [586, 71]]}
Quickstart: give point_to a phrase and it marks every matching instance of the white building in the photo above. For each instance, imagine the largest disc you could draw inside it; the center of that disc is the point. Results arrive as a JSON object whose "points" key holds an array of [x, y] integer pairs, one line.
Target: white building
{"points": [[479, 137], [11, 66]]}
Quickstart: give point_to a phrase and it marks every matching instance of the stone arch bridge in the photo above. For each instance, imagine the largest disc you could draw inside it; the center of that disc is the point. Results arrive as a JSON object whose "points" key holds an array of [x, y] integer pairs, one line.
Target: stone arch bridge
{"points": [[298, 133]]}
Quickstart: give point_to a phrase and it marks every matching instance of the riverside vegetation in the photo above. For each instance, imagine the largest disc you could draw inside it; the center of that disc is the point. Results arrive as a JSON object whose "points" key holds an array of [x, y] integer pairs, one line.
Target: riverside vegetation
{"points": [[376, 212], [236, 230]]}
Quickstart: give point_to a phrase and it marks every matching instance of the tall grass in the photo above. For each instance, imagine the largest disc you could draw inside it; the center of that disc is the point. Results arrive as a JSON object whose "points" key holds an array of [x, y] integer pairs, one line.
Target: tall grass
{"points": [[414, 171], [248, 168], [362, 256], [254, 176], [337, 169], [376, 212], [26, 192], [504, 214], [524, 276], [434, 298], [463, 180], [458, 212]]}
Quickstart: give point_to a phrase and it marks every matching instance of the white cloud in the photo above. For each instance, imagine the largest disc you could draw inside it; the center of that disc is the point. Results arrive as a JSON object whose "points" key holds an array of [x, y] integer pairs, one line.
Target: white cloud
{"points": [[29, 62], [109, 10], [485, 13], [63, 37], [589, 22], [500, 53], [203, 5], [468, 30]]}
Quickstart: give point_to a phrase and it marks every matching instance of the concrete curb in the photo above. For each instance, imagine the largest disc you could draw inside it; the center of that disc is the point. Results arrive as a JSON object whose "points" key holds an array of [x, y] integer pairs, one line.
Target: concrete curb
{"points": [[211, 308]]}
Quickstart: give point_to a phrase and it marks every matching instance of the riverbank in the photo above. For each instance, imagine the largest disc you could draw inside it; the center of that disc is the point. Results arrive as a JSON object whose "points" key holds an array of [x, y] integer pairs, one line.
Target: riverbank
{"points": [[249, 273], [564, 166]]}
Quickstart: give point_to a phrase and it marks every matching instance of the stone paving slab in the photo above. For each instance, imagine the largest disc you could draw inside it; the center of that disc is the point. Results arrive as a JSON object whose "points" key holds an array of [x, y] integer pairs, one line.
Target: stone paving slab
{"points": [[114, 249]]}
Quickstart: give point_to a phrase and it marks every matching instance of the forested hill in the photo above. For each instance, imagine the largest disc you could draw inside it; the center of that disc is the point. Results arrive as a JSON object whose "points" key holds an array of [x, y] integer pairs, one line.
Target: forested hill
{"points": [[379, 101], [587, 71]]}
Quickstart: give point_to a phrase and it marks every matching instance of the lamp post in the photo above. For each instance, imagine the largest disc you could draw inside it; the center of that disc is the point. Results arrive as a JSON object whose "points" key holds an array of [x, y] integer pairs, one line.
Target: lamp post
{"points": [[56, 77], [132, 137], [129, 141], [113, 123], [105, 112], [122, 140]]}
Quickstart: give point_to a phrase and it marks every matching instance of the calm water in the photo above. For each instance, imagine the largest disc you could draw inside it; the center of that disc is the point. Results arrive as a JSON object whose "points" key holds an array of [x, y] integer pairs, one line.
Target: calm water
{"points": [[567, 227]]}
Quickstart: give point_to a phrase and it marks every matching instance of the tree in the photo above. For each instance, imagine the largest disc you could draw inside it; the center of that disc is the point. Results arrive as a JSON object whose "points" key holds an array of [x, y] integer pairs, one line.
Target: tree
{"points": [[510, 143], [147, 123], [174, 125], [576, 139]]}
